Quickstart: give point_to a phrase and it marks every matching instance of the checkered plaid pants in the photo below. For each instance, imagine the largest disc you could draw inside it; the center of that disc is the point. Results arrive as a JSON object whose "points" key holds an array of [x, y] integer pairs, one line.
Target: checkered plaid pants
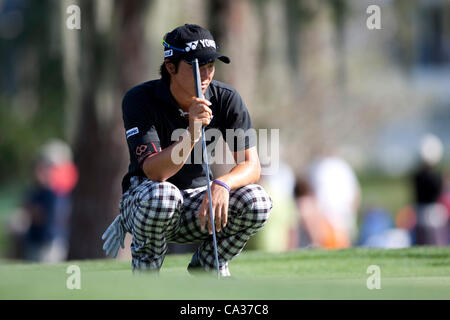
{"points": [[157, 213]]}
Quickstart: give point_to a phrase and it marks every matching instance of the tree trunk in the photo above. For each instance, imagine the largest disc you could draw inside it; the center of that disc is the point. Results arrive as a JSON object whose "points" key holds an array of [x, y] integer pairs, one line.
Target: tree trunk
{"points": [[109, 69]]}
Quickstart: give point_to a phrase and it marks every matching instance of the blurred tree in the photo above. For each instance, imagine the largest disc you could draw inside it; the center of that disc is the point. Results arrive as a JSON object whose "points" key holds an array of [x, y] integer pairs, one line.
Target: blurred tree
{"points": [[31, 86], [339, 13], [112, 62]]}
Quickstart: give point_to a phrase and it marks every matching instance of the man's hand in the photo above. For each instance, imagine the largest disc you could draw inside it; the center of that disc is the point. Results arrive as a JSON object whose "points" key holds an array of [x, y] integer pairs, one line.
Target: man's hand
{"points": [[114, 236], [199, 115], [220, 198]]}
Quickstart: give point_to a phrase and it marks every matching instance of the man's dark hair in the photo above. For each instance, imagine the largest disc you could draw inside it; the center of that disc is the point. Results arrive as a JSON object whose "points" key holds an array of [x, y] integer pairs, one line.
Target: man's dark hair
{"points": [[165, 75]]}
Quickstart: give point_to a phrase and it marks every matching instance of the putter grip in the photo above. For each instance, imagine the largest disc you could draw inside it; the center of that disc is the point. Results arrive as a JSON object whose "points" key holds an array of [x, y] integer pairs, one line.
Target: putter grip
{"points": [[197, 79]]}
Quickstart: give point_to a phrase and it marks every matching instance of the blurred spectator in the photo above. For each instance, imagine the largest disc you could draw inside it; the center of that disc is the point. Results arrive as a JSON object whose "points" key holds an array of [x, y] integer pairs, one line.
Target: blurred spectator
{"points": [[406, 219], [374, 223], [432, 216], [445, 194], [315, 229], [378, 231], [337, 192], [40, 230], [445, 201], [275, 235]]}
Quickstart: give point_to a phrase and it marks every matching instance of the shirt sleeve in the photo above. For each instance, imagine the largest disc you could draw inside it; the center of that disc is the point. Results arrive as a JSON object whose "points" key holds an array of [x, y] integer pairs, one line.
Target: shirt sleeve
{"points": [[239, 133], [140, 130]]}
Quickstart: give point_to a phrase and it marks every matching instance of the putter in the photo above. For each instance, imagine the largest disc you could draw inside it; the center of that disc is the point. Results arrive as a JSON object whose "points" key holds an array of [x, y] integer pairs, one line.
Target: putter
{"points": [[198, 91]]}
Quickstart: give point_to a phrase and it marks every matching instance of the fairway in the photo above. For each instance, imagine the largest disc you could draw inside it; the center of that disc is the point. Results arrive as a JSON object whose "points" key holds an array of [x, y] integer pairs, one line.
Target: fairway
{"points": [[413, 273]]}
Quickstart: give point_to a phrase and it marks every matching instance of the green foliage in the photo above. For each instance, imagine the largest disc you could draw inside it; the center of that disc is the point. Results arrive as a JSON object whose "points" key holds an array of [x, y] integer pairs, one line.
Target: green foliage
{"points": [[23, 129], [388, 193], [21, 138]]}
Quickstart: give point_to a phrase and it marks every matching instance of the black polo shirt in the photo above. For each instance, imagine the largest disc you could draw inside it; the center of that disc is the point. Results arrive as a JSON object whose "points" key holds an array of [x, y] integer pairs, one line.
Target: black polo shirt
{"points": [[151, 114]]}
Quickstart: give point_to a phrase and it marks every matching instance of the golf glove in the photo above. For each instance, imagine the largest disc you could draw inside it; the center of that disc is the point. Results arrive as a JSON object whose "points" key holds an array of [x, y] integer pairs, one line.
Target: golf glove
{"points": [[114, 237]]}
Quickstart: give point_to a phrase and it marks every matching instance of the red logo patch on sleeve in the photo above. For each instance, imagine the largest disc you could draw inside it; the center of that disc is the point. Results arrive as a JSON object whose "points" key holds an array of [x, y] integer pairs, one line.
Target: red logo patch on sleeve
{"points": [[141, 149]]}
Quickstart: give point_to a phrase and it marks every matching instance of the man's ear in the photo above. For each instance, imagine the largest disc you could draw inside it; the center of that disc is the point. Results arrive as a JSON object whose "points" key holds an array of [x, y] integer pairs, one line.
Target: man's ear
{"points": [[170, 67]]}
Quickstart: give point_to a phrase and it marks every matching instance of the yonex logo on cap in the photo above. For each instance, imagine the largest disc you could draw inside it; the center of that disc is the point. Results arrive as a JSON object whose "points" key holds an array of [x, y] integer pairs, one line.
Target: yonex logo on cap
{"points": [[191, 46], [204, 42], [208, 43]]}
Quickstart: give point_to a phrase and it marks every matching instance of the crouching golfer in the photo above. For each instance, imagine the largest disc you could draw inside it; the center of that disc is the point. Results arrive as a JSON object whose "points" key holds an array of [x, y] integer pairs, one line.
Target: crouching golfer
{"points": [[164, 192]]}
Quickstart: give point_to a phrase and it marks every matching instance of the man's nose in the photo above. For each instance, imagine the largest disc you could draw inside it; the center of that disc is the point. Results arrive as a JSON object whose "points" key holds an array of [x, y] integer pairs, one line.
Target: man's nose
{"points": [[205, 73]]}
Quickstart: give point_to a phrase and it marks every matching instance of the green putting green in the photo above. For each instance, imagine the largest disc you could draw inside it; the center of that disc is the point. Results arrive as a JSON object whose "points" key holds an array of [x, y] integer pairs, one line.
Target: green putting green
{"points": [[413, 273]]}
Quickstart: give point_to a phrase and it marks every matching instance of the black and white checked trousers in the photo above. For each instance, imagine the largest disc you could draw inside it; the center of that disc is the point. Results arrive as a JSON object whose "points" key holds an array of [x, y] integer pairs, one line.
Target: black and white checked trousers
{"points": [[157, 213]]}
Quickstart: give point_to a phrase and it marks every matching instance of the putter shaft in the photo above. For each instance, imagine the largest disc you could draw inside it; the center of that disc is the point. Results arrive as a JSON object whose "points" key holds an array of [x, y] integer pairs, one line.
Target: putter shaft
{"points": [[198, 89]]}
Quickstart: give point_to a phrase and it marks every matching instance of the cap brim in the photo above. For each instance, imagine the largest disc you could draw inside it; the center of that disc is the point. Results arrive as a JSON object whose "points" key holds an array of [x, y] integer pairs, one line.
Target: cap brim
{"points": [[224, 59], [205, 57]]}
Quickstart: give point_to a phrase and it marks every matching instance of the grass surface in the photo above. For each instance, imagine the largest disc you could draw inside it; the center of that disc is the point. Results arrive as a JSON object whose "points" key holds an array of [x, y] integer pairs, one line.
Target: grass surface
{"points": [[414, 273]]}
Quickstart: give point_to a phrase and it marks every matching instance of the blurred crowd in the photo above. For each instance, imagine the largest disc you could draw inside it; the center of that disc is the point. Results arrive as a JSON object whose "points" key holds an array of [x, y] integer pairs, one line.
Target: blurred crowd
{"points": [[327, 209]]}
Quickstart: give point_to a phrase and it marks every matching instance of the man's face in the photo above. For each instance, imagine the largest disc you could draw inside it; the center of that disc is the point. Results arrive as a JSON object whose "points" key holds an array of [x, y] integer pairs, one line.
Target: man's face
{"points": [[184, 78]]}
